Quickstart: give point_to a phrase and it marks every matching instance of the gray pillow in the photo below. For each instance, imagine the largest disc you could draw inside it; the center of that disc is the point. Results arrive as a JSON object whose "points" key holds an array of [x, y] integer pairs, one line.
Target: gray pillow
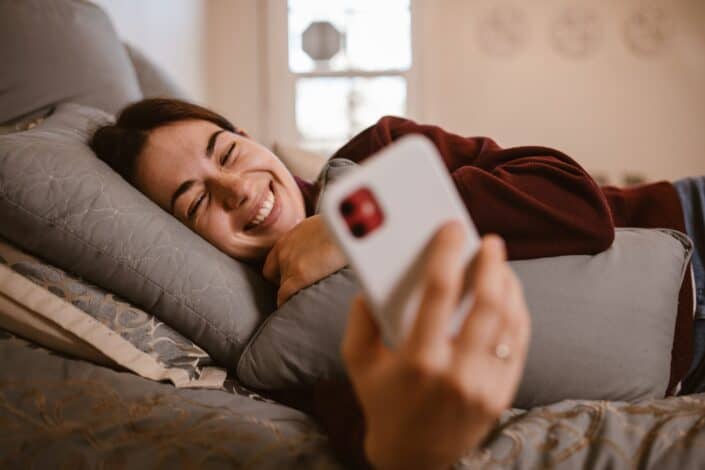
{"points": [[58, 201], [603, 325], [63, 50]]}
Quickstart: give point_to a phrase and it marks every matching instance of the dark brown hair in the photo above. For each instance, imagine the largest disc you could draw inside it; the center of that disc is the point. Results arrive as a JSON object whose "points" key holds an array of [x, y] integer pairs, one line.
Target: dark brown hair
{"points": [[121, 143]]}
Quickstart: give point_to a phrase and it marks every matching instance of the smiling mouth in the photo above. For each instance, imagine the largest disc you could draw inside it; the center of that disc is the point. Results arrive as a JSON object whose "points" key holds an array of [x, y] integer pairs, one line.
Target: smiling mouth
{"points": [[264, 211]]}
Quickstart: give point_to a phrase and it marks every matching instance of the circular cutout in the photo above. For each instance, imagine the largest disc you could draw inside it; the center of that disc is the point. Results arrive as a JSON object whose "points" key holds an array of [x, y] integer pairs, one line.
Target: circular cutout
{"points": [[577, 32], [503, 30], [648, 29]]}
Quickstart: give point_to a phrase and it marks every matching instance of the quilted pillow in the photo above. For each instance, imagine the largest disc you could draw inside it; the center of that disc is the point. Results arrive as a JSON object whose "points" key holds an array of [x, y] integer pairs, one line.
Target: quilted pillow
{"points": [[57, 310], [59, 202], [602, 326], [61, 50]]}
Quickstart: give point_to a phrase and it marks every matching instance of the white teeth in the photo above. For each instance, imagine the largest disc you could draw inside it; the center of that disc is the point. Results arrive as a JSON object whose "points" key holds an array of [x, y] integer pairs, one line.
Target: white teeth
{"points": [[264, 210]]}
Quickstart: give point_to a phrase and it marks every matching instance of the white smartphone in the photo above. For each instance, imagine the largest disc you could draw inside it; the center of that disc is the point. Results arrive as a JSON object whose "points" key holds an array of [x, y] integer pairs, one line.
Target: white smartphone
{"points": [[383, 214]]}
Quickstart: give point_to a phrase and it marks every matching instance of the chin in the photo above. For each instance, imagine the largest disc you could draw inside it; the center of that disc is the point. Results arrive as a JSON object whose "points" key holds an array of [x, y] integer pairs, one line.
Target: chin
{"points": [[256, 256]]}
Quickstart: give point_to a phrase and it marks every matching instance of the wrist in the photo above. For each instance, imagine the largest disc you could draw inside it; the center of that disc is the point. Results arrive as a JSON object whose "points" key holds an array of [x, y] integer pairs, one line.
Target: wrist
{"points": [[384, 457]]}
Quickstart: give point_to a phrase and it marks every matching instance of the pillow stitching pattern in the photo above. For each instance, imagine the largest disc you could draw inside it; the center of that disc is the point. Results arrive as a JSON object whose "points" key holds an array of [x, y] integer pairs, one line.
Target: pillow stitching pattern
{"points": [[131, 268]]}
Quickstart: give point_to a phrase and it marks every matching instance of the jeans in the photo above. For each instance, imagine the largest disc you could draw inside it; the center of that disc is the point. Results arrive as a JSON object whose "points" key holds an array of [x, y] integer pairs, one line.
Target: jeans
{"points": [[691, 192]]}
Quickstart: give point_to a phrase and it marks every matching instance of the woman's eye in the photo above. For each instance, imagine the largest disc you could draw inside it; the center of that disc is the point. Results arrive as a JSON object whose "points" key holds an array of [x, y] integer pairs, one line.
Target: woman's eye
{"points": [[226, 157], [194, 207]]}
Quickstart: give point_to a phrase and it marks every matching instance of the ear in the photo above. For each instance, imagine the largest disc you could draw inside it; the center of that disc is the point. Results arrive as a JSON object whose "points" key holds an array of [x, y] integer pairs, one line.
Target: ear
{"points": [[242, 132]]}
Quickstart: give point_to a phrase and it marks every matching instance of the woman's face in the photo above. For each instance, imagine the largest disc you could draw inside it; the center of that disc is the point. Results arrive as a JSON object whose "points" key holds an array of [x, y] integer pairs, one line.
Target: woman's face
{"points": [[228, 188]]}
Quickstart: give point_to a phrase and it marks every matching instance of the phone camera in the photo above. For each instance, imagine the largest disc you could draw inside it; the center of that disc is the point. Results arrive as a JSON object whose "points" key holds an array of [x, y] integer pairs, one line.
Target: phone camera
{"points": [[359, 230], [347, 208], [361, 212]]}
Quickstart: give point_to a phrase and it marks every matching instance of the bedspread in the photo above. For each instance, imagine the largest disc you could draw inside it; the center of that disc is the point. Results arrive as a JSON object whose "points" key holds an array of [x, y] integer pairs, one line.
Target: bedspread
{"points": [[56, 411]]}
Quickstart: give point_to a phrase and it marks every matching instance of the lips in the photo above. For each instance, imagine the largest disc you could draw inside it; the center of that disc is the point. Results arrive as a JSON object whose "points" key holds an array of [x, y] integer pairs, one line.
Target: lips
{"points": [[266, 212]]}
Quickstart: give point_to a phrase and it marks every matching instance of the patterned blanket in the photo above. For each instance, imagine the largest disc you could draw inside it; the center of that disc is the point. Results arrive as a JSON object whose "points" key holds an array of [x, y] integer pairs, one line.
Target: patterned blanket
{"points": [[61, 412]]}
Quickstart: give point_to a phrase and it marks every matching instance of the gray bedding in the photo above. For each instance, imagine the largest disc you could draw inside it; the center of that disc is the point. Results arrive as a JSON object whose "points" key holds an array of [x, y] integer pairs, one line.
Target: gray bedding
{"points": [[56, 412], [59, 412]]}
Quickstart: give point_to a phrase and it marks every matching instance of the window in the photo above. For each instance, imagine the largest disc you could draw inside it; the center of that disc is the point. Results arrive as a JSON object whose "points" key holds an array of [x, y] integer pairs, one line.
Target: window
{"points": [[348, 64]]}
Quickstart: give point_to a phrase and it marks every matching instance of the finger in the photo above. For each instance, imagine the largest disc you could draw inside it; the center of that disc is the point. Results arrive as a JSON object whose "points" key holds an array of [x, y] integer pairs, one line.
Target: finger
{"points": [[362, 342], [500, 377], [270, 270], [488, 284], [518, 312], [497, 317], [442, 282], [512, 330], [479, 332], [515, 329], [490, 245], [517, 324]]}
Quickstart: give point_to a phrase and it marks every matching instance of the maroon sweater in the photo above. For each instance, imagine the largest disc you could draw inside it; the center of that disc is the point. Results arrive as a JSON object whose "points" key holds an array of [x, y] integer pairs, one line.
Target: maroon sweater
{"points": [[541, 202]]}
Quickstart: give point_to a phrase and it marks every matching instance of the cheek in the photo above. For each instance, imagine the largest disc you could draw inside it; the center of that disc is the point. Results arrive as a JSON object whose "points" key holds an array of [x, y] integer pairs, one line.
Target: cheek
{"points": [[215, 228]]}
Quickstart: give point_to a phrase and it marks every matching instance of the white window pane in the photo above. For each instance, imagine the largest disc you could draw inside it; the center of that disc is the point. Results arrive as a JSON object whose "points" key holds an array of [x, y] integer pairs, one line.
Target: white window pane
{"points": [[374, 98], [321, 108], [379, 40], [376, 35], [335, 109], [317, 6], [377, 5]]}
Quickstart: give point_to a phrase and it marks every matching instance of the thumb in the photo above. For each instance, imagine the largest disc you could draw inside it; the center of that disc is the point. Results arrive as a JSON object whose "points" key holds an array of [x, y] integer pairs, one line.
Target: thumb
{"points": [[270, 270]]}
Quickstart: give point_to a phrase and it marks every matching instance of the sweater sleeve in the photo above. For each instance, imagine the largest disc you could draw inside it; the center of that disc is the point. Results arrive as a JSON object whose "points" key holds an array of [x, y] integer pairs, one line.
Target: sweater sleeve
{"points": [[538, 199]]}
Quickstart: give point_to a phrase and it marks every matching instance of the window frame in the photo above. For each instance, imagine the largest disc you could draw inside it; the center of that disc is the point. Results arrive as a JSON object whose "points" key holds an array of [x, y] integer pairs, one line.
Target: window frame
{"points": [[280, 96]]}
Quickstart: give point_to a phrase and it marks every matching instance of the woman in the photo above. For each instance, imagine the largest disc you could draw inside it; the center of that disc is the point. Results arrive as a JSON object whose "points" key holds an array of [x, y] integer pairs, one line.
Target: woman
{"points": [[239, 196], [236, 194]]}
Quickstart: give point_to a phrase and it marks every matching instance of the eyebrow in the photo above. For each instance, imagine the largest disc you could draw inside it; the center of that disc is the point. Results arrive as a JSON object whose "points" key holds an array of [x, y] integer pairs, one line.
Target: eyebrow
{"points": [[211, 142], [186, 185]]}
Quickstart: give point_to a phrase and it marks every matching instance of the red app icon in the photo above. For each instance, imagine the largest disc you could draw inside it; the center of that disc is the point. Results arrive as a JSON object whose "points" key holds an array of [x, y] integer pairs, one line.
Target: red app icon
{"points": [[361, 212]]}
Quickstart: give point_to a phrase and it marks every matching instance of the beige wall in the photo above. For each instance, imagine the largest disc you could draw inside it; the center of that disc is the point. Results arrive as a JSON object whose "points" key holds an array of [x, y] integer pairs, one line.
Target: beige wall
{"points": [[613, 110], [235, 55], [170, 32], [212, 48]]}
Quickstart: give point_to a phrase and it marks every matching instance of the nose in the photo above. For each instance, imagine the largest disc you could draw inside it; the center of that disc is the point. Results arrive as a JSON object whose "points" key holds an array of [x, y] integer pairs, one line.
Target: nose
{"points": [[230, 190]]}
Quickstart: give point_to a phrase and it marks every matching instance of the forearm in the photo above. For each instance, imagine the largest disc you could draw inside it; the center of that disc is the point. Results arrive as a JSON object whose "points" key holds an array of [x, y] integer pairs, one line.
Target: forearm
{"points": [[384, 457], [541, 205]]}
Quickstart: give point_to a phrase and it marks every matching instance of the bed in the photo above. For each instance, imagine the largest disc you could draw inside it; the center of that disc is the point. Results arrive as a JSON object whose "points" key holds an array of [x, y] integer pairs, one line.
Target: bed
{"points": [[158, 400]]}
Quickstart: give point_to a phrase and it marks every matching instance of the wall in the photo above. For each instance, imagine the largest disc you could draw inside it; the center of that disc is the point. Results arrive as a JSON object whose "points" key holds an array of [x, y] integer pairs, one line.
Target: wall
{"points": [[211, 48], [236, 59], [615, 110], [170, 33]]}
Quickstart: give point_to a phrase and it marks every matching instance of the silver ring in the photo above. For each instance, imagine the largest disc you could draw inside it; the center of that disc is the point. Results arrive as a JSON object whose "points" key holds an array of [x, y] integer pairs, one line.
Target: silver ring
{"points": [[502, 351]]}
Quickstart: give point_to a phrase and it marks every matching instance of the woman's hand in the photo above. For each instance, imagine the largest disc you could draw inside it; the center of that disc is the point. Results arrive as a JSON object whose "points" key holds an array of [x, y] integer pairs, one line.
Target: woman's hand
{"points": [[304, 255], [436, 396]]}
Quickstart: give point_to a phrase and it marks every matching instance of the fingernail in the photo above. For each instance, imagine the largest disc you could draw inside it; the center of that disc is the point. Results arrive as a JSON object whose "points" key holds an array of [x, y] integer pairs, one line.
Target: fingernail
{"points": [[496, 242], [490, 238], [454, 225]]}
